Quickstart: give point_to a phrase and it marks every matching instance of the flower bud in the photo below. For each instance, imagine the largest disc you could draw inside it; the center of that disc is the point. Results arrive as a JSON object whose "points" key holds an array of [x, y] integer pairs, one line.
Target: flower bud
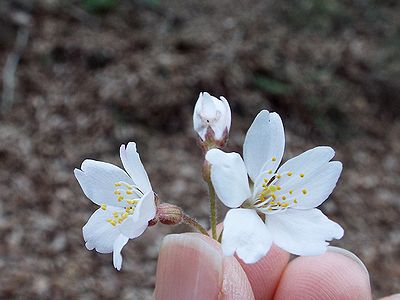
{"points": [[212, 120], [169, 214]]}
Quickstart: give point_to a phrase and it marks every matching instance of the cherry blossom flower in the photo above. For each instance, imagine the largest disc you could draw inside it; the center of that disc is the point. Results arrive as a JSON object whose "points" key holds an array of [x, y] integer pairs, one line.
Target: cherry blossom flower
{"points": [[212, 113], [278, 205], [126, 202]]}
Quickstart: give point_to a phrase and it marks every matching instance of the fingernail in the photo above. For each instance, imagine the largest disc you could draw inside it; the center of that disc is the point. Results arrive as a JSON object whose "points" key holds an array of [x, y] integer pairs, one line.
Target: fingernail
{"points": [[350, 255], [188, 268]]}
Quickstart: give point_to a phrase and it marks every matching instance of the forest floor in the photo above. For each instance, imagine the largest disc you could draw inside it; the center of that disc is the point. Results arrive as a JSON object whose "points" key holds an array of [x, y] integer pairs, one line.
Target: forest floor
{"points": [[87, 82]]}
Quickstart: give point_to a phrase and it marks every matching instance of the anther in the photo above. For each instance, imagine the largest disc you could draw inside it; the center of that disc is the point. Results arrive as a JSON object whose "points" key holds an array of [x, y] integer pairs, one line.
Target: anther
{"points": [[302, 175], [304, 191], [103, 206], [289, 174], [273, 158]]}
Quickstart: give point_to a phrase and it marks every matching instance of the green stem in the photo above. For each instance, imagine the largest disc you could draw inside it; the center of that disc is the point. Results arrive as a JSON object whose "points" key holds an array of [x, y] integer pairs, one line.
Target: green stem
{"points": [[213, 210], [192, 222]]}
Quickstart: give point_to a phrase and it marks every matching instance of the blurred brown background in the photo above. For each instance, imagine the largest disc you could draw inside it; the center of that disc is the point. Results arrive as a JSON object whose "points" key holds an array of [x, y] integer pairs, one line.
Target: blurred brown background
{"points": [[79, 78]]}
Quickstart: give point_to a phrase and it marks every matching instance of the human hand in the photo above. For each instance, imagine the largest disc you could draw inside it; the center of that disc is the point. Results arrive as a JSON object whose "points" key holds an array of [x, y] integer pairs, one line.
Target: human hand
{"points": [[192, 266]]}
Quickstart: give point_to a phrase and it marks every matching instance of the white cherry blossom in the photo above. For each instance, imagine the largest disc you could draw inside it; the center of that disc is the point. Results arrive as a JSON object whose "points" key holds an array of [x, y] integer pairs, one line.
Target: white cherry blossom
{"points": [[279, 204], [214, 113], [125, 199]]}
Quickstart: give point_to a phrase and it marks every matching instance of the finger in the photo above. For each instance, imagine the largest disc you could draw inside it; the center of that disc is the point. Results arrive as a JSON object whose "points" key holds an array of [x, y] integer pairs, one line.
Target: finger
{"points": [[192, 266], [392, 297], [265, 274], [337, 274]]}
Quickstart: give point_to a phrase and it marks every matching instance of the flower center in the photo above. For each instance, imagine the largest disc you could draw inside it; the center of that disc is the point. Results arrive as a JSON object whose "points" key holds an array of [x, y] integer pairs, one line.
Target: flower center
{"points": [[127, 194], [274, 198]]}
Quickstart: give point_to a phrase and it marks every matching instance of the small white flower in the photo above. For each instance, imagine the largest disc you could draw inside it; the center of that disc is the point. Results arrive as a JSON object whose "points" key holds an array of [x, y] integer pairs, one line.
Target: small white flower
{"points": [[285, 198], [126, 202], [214, 113]]}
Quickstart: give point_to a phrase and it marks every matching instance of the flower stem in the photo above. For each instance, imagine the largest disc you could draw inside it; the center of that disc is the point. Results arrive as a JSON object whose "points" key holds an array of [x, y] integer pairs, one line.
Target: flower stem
{"points": [[192, 222], [213, 210]]}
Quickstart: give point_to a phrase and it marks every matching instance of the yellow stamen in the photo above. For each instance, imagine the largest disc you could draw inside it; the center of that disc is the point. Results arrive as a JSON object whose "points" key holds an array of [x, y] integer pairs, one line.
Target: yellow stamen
{"points": [[301, 175], [273, 158], [273, 188], [283, 197], [291, 192], [269, 171], [120, 198], [295, 201], [304, 191], [103, 206], [289, 174], [132, 201]]}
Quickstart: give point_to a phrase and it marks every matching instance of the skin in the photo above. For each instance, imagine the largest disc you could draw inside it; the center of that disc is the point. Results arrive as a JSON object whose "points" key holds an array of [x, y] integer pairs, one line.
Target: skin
{"points": [[192, 266]]}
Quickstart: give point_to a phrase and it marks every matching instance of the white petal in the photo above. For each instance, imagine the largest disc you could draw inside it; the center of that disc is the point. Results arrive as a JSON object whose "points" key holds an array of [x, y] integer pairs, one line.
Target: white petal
{"points": [[97, 181], [264, 144], [224, 123], [100, 234], [132, 229], [229, 177], [303, 232], [137, 223], [132, 164], [246, 234], [119, 243], [306, 163], [318, 188]]}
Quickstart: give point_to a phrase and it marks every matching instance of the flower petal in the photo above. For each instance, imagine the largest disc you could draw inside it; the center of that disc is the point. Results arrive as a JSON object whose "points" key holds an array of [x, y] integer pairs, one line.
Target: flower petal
{"points": [[305, 165], [100, 234], [264, 144], [312, 179], [137, 223], [303, 232], [246, 234], [97, 181], [132, 229], [229, 177], [225, 122], [119, 243], [311, 193], [132, 164]]}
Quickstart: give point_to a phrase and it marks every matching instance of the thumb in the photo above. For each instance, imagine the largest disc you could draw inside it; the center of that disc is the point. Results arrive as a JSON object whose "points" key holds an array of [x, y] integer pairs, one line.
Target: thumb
{"points": [[192, 266]]}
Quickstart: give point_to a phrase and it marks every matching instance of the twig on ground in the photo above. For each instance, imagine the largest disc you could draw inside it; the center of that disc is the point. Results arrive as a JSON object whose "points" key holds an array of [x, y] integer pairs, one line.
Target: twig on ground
{"points": [[10, 69]]}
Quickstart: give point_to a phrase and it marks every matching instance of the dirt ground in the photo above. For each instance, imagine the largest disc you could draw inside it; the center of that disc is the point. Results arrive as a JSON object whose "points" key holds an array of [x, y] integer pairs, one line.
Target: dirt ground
{"points": [[89, 80]]}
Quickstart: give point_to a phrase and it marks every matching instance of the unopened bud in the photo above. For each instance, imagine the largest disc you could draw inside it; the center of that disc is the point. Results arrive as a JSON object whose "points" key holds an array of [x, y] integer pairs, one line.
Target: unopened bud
{"points": [[169, 214], [212, 120]]}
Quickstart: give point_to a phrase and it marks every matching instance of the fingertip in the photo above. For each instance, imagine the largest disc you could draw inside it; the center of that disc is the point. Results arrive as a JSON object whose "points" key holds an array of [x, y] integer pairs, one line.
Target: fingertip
{"points": [[330, 276], [265, 274], [192, 266], [188, 268]]}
